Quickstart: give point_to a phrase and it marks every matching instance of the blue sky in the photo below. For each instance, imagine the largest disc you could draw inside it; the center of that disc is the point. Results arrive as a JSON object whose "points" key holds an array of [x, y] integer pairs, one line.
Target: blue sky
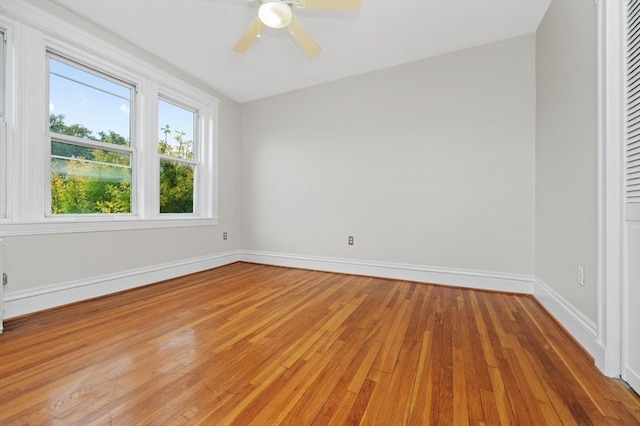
{"points": [[103, 105], [178, 119]]}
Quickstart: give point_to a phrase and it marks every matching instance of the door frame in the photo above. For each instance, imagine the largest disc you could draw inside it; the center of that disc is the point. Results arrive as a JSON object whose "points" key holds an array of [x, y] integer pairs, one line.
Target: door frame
{"points": [[611, 124]]}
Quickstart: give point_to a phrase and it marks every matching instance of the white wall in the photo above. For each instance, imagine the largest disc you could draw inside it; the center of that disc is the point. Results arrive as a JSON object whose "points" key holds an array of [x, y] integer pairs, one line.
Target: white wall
{"points": [[566, 152], [429, 163]]}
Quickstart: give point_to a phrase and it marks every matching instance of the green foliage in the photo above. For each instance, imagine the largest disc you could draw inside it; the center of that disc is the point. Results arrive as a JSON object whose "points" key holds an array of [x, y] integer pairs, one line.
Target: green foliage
{"points": [[56, 124], [176, 187], [176, 178], [80, 189], [113, 137], [184, 149], [92, 180]]}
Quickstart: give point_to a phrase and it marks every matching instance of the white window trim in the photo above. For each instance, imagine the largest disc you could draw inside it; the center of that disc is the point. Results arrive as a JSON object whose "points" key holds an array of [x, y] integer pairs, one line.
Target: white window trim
{"points": [[4, 101], [9, 115], [32, 31]]}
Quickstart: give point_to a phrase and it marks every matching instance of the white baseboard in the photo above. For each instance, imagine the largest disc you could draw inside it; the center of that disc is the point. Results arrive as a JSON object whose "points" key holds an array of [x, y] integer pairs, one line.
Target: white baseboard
{"points": [[607, 360], [579, 326], [33, 300], [484, 280]]}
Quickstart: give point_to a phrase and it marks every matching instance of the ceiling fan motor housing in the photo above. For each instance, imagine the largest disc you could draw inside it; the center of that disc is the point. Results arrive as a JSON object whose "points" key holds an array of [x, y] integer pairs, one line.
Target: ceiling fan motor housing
{"points": [[275, 13]]}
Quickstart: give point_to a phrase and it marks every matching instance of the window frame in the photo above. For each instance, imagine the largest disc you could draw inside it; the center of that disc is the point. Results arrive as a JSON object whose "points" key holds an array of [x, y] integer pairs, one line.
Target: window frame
{"points": [[29, 140], [4, 70], [90, 143], [197, 149]]}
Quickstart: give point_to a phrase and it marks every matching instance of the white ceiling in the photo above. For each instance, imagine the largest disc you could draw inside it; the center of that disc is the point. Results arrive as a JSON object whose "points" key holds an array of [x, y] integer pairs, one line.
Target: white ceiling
{"points": [[197, 36]]}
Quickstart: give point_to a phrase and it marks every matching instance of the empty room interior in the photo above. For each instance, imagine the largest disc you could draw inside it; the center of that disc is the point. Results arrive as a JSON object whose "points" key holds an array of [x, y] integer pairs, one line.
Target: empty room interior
{"points": [[302, 212]]}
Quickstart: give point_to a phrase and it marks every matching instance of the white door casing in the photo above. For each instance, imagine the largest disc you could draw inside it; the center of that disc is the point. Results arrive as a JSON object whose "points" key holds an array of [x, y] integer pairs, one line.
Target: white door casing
{"points": [[618, 193], [631, 203]]}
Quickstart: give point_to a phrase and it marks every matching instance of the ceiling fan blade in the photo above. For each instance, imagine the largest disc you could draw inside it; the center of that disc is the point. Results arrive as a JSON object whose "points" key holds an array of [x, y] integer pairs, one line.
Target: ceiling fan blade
{"points": [[304, 39], [332, 4], [247, 38]]}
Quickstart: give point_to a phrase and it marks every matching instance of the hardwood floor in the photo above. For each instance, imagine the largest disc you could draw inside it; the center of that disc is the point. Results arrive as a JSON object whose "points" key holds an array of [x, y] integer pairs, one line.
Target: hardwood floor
{"points": [[249, 344]]}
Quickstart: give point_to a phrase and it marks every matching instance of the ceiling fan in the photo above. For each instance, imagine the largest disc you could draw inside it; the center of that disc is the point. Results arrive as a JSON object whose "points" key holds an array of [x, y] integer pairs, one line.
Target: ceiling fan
{"points": [[279, 14]]}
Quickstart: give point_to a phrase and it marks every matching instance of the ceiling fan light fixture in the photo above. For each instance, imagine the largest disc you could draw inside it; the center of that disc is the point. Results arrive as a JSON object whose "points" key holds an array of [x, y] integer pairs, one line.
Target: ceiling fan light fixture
{"points": [[275, 14]]}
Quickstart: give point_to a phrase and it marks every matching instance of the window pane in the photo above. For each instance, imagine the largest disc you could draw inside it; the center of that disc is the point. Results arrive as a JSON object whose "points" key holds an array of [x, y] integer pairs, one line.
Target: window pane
{"points": [[175, 130], [88, 106], [176, 187], [89, 180]]}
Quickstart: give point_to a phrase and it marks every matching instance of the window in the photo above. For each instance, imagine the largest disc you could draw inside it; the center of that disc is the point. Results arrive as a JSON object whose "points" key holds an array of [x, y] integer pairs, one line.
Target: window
{"points": [[97, 139], [91, 153], [177, 149]]}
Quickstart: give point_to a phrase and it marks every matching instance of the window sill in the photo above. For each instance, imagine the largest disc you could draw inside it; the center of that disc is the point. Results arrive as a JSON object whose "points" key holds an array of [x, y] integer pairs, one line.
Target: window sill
{"points": [[75, 225]]}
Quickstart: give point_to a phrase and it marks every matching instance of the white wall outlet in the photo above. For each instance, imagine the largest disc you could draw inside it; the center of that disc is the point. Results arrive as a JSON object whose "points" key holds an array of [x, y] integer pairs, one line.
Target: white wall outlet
{"points": [[581, 276]]}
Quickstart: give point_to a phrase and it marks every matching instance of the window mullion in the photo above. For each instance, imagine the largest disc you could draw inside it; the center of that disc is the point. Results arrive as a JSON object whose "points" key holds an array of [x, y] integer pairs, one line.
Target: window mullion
{"points": [[148, 167]]}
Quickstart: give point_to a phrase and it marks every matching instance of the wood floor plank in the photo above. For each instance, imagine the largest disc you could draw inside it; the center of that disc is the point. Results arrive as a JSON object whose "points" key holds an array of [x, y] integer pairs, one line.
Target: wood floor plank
{"points": [[404, 372], [253, 344], [573, 394], [476, 376], [460, 399]]}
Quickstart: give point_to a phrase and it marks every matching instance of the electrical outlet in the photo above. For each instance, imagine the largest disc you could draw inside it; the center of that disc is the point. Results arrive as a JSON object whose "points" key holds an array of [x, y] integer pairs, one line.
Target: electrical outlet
{"points": [[224, 235], [581, 276], [350, 240]]}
